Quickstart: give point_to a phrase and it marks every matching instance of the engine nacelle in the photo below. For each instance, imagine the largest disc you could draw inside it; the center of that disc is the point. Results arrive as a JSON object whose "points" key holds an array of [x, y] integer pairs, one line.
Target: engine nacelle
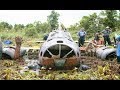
{"points": [[59, 51]]}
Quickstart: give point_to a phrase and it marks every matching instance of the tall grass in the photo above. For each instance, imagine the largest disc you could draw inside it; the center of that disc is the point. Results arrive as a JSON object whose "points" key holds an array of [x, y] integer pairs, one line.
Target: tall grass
{"points": [[11, 34]]}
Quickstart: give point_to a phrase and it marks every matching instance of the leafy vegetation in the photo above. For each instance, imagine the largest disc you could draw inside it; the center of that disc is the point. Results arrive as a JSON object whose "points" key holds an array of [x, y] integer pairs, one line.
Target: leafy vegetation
{"points": [[37, 30], [100, 70], [53, 20]]}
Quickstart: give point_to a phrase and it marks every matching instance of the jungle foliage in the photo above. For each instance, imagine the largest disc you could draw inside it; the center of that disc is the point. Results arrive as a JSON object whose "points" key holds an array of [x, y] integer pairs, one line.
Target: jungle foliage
{"points": [[91, 23]]}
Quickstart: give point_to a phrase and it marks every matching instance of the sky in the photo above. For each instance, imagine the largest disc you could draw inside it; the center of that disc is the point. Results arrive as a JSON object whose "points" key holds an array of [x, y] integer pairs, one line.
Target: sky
{"points": [[67, 17]]}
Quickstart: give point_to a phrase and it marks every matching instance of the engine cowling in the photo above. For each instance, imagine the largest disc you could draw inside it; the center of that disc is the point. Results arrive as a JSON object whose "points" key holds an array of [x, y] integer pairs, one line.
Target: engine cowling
{"points": [[59, 51]]}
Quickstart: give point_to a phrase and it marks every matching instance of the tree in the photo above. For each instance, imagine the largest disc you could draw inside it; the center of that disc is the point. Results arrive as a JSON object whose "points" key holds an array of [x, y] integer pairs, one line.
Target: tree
{"points": [[63, 27], [110, 18], [42, 27], [46, 27], [73, 29], [90, 23], [118, 21], [53, 19], [29, 25], [18, 27], [31, 32], [5, 25], [37, 25], [119, 14]]}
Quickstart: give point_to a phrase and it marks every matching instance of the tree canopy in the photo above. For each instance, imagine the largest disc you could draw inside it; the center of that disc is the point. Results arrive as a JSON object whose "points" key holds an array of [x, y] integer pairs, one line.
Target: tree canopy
{"points": [[53, 19], [91, 23]]}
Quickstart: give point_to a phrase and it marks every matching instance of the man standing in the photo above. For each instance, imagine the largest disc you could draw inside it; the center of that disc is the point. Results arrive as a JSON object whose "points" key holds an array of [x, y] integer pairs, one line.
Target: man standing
{"points": [[118, 48], [81, 35], [106, 36]]}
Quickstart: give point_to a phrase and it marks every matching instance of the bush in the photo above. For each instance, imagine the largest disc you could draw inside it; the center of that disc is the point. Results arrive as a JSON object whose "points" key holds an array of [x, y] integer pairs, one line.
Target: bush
{"points": [[31, 32]]}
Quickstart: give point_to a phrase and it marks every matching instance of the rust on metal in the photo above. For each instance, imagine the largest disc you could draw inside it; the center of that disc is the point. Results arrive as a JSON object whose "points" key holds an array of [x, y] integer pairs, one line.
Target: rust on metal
{"points": [[59, 50], [70, 62], [48, 62]]}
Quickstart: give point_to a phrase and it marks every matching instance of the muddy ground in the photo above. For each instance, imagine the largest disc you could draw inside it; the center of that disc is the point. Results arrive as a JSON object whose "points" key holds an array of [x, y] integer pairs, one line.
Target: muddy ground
{"points": [[99, 70]]}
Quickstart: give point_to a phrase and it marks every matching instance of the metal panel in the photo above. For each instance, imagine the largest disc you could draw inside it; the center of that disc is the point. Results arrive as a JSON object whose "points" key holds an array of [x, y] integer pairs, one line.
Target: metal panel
{"points": [[59, 46]]}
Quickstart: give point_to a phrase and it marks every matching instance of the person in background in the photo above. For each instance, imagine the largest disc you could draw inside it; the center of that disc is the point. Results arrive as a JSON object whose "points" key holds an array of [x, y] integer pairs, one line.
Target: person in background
{"points": [[106, 36], [81, 35], [97, 37], [45, 37], [118, 48]]}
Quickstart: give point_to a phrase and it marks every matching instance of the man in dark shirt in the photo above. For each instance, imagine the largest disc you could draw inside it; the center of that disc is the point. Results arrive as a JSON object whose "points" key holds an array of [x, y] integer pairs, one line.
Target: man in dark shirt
{"points": [[106, 36], [45, 37]]}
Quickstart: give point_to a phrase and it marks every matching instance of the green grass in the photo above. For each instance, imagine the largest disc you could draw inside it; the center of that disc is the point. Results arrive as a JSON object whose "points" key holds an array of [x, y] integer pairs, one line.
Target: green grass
{"points": [[10, 35]]}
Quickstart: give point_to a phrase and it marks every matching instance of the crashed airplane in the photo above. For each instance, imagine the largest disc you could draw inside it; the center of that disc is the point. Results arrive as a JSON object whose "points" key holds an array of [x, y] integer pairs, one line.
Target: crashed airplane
{"points": [[59, 51]]}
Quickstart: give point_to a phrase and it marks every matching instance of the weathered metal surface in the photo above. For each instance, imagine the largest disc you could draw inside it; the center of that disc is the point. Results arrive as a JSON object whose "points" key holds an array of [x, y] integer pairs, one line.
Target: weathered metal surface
{"points": [[14, 52], [58, 50], [106, 52], [8, 52]]}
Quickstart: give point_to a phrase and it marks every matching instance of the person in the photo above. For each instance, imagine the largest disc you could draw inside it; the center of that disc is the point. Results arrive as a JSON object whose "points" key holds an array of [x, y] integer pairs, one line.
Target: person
{"points": [[106, 36], [118, 48], [97, 37], [45, 37], [81, 34]]}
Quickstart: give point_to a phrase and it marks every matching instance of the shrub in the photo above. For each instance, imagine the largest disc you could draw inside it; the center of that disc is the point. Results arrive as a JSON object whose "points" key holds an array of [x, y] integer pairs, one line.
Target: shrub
{"points": [[31, 32]]}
